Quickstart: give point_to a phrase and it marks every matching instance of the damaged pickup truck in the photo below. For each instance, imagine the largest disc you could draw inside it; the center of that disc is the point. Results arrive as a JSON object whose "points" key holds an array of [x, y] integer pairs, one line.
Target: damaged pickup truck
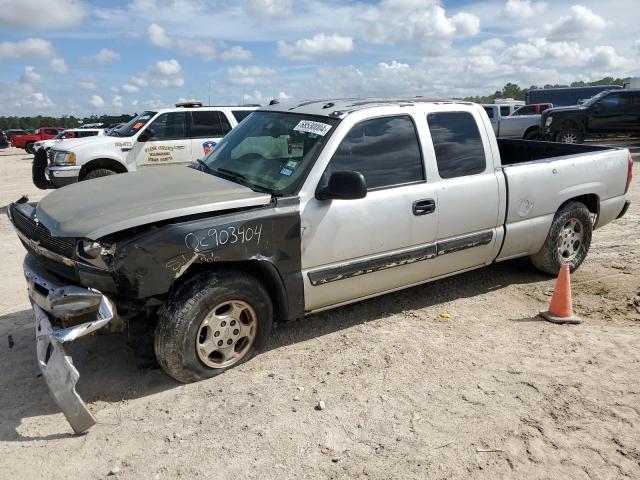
{"points": [[301, 208]]}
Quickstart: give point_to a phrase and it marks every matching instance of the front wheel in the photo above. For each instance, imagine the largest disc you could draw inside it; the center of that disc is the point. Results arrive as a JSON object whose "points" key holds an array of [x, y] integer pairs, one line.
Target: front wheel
{"points": [[29, 148], [97, 173], [570, 135], [568, 240], [213, 322]]}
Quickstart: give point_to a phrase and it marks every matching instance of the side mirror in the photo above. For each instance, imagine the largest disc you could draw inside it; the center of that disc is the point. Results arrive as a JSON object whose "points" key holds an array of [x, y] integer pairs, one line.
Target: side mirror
{"points": [[146, 135], [343, 186]]}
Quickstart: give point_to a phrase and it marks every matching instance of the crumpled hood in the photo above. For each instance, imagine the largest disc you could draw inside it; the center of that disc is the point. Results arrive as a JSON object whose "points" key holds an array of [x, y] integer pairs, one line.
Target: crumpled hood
{"points": [[95, 208]]}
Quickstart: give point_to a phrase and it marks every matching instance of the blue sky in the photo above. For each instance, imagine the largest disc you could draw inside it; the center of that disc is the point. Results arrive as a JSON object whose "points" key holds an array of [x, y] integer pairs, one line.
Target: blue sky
{"points": [[80, 57]]}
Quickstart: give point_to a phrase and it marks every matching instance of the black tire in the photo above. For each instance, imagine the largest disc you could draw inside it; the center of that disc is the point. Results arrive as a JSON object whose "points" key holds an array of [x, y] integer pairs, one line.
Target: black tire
{"points": [[97, 173], [179, 321], [533, 135], [38, 167], [549, 259], [570, 135], [29, 148]]}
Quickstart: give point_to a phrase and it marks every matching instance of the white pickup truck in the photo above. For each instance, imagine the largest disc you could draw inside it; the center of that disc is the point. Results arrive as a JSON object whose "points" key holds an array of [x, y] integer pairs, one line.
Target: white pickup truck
{"points": [[165, 137], [304, 207]]}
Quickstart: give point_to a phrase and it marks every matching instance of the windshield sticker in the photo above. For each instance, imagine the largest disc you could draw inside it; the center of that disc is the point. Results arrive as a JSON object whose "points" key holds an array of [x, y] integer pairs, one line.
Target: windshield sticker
{"points": [[286, 171], [292, 164], [138, 125], [208, 146], [308, 126]]}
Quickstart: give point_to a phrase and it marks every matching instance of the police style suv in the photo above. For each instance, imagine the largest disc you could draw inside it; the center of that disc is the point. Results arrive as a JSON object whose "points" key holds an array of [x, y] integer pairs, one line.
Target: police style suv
{"points": [[164, 137]]}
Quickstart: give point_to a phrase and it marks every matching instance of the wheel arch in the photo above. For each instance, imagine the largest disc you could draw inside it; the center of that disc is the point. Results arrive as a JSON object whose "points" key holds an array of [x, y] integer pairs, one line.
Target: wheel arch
{"points": [[589, 200], [109, 163], [532, 128], [261, 269]]}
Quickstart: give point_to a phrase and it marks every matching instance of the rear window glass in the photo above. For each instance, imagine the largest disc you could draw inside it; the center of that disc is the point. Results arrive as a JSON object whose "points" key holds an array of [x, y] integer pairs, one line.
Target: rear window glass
{"points": [[457, 144]]}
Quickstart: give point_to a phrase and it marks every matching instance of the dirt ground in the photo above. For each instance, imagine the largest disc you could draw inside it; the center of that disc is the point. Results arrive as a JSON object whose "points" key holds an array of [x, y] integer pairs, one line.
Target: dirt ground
{"points": [[491, 392]]}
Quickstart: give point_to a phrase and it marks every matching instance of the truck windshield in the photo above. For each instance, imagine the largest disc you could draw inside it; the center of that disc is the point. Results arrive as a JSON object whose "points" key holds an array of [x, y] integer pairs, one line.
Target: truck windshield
{"points": [[270, 151], [594, 99], [131, 128]]}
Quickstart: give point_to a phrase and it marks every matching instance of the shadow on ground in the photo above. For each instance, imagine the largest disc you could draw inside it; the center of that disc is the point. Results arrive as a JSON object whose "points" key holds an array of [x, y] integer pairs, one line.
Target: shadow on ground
{"points": [[107, 366]]}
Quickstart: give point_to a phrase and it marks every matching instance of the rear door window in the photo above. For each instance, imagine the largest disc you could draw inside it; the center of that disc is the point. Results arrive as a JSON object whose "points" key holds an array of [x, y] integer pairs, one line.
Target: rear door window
{"points": [[241, 114], [385, 150], [51, 131], [209, 124], [489, 111], [505, 111], [457, 144]]}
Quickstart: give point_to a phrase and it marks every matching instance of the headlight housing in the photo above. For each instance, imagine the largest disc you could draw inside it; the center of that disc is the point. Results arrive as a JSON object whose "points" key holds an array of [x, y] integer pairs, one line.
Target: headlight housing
{"points": [[63, 158], [548, 121]]}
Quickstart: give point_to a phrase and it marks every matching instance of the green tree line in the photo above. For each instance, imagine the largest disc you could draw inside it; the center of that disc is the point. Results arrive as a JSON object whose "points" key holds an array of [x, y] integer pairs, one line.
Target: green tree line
{"points": [[66, 121], [511, 90]]}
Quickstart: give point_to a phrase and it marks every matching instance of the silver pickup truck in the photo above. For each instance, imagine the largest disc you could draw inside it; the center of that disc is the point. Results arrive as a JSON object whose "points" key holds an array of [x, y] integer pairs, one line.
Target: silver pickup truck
{"points": [[526, 127], [303, 207]]}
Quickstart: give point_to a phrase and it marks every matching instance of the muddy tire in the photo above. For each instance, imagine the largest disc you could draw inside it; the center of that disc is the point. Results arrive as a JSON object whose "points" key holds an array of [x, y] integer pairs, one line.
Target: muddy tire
{"points": [[29, 148], [568, 240], [97, 173], [570, 135], [211, 323]]}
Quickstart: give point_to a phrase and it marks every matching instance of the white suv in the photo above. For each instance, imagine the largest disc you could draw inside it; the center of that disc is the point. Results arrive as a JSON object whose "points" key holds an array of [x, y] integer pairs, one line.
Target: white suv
{"points": [[165, 137], [70, 134]]}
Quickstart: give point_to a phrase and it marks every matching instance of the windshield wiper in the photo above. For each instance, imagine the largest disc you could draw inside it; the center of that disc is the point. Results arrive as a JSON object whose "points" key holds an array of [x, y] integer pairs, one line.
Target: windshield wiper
{"points": [[231, 172]]}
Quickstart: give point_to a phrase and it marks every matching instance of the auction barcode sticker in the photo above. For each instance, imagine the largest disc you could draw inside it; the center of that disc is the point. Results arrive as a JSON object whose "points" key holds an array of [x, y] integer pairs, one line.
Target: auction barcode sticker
{"points": [[308, 126]]}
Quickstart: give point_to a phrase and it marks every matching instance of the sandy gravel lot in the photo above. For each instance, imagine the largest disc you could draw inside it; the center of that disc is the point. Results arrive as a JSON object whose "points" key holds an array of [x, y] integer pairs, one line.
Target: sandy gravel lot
{"points": [[492, 392]]}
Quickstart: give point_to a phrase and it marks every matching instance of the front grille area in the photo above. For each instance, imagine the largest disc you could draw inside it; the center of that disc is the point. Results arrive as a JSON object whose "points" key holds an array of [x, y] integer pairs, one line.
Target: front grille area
{"points": [[40, 233]]}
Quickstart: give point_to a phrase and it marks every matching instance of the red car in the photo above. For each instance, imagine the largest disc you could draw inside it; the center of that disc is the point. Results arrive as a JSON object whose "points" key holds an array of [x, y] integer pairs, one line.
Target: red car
{"points": [[27, 141], [532, 109]]}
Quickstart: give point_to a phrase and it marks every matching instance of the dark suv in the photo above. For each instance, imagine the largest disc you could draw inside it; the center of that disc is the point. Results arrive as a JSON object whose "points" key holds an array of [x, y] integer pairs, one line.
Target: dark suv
{"points": [[608, 113]]}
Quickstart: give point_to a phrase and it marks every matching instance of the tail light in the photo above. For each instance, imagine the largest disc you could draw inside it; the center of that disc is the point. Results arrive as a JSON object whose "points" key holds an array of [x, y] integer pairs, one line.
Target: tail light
{"points": [[629, 174]]}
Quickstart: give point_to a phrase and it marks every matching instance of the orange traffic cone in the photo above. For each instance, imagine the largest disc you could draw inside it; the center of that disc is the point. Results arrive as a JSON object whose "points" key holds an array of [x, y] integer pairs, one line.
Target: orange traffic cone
{"points": [[560, 308]]}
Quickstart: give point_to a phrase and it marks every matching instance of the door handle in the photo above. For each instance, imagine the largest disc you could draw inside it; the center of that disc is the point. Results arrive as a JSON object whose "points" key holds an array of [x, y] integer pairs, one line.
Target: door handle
{"points": [[424, 207]]}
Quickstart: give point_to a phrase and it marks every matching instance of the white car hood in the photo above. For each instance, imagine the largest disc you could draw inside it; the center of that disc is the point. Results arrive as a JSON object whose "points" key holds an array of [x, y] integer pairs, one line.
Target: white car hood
{"points": [[74, 144]]}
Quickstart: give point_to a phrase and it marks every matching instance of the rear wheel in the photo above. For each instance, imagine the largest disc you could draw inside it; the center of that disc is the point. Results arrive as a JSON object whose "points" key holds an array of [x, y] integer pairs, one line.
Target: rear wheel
{"points": [[568, 240], [533, 135], [213, 322], [570, 135], [98, 172]]}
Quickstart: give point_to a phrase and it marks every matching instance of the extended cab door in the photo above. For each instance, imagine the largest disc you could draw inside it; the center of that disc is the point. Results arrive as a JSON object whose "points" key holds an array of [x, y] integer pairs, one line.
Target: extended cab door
{"points": [[207, 129], [470, 192], [352, 249], [163, 142]]}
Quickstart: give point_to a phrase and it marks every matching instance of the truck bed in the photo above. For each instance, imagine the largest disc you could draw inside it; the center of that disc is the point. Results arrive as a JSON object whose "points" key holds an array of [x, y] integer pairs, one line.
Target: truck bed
{"points": [[513, 152]]}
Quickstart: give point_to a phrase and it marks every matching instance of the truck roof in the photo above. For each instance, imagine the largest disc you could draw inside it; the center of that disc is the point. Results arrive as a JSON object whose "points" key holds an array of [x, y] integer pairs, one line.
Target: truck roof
{"points": [[341, 107]]}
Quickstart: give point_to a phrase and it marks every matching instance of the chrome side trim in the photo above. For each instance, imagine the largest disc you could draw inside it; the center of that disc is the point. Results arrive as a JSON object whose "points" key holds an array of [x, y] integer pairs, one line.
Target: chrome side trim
{"points": [[44, 252]]}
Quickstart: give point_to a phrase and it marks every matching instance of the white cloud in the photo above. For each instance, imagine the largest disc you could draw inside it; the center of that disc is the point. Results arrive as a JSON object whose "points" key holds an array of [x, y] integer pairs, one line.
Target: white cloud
{"points": [[59, 65], [162, 74], [41, 14], [636, 46], [158, 36], [319, 44], [88, 84], [29, 48], [283, 96], [240, 75], [117, 101], [236, 53], [189, 47], [38, 100], [564, 54], [523, 9], [487, 47], [268, 8], [30, 75], [580, 23], [255, 97], [415, 21], [128, 88], [106, 55], [96, 101]]}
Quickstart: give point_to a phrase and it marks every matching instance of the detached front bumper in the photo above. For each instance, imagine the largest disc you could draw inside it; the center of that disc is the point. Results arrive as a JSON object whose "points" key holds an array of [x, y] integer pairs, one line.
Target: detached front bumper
{"points": [[62, 176], [55, 303]]}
